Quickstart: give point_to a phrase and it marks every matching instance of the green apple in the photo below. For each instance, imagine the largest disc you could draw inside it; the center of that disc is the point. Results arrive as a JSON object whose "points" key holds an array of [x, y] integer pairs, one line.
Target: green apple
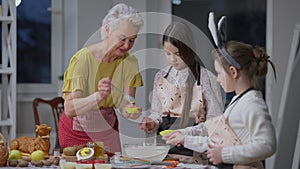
{"points": [[165, 132], [38, 155], [14, 155], [132, 110]]}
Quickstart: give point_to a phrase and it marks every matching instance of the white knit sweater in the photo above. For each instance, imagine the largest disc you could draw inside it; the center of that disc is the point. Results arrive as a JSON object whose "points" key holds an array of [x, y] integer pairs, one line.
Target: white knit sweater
{"points": [[251, 121]]}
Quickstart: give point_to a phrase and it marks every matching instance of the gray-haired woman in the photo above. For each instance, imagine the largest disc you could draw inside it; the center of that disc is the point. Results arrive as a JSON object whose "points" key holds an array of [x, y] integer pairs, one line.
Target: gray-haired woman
{"points": [[99, 78]]}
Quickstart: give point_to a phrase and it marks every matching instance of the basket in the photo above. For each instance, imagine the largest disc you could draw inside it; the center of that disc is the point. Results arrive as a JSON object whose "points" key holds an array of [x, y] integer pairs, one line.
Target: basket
{"points": [[3, 151]]}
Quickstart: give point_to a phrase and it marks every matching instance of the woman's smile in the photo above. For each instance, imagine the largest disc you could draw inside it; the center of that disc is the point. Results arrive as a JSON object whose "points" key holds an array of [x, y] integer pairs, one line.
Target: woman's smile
{"points": [[123, 51]]}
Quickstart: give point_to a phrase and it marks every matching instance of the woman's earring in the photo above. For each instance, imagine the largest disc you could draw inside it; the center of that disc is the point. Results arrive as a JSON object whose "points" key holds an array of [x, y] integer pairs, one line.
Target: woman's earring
{"points": [[106, 30]]}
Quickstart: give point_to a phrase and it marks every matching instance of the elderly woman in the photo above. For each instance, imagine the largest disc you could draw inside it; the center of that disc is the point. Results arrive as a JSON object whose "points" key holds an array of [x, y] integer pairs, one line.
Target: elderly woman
{"points": [[99, 78]]}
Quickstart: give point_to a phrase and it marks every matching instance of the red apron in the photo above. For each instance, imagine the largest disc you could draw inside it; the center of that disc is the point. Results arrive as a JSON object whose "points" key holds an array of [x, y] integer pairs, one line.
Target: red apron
{"points": [[96, 125]]}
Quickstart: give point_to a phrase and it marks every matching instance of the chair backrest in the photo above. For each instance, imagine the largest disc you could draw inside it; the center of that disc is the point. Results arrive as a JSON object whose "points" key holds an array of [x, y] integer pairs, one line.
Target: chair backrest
{"points": [[57, 106]]}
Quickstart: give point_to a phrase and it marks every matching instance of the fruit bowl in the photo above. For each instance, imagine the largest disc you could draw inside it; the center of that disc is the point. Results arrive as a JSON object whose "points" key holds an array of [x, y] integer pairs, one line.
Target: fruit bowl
{"points": [[147, 151]]}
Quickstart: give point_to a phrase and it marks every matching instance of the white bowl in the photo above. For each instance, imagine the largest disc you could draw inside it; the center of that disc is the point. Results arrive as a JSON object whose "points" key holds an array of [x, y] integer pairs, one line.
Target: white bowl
{"points": [[84, 166], [102, 166], [150, 152]]}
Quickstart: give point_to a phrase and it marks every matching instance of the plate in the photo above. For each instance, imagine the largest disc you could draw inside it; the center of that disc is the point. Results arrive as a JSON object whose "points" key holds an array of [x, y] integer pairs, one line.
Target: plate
{"points": [[90, 153]]}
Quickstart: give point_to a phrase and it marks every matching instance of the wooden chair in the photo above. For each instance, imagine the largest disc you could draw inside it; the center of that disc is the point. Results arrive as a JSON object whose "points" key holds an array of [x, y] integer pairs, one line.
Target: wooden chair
{"points": [[57, 106]]}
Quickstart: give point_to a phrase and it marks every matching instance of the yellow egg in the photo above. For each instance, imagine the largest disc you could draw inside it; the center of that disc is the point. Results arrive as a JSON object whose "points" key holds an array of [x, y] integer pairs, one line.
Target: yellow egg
{"points": [[132, 110], [85, 151], [165, 132]]}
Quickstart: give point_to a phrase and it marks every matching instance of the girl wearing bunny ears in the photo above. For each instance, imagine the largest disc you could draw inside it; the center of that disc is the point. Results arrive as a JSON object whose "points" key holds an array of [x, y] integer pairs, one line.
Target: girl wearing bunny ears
{"points": [[239, 66], [244, 135]]}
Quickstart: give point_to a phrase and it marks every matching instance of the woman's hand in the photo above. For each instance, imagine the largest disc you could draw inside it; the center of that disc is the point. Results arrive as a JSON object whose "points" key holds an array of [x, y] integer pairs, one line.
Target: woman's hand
{"points": [[127, 107], [132, 111], [76, 104], [175, 138], [214, 154], [104, 87], [147, 124]]}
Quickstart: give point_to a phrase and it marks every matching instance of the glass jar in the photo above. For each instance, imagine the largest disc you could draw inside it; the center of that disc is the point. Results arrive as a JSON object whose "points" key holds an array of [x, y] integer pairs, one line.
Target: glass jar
{"points": [[99, 149]]}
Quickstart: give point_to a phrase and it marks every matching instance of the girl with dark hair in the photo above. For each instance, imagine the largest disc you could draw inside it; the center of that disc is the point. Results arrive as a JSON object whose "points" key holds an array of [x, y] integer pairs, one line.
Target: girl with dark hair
{"points": [[185, 92]]}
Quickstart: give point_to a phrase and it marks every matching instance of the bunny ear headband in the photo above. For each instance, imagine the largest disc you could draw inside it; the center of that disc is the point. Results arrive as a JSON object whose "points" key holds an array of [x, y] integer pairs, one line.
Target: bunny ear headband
{"points": [[219, 37]]}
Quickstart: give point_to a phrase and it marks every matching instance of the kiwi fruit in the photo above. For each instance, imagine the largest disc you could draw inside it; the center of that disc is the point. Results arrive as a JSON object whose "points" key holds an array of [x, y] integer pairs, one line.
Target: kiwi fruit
{"points": [[70, 151]]}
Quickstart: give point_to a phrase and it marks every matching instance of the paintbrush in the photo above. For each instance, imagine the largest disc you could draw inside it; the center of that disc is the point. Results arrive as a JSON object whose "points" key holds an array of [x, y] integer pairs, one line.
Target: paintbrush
{"points": [[130, 99]]}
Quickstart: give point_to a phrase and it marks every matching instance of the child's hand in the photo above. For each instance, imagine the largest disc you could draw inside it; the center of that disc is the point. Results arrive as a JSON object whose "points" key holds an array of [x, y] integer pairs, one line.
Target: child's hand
{"points": [[170, 135], [175, 138], [147, 124], [214, 154]]}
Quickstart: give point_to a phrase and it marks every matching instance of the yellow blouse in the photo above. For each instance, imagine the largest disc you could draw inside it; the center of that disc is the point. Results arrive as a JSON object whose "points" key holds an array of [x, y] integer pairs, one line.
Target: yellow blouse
{"points": [[85, 71]]}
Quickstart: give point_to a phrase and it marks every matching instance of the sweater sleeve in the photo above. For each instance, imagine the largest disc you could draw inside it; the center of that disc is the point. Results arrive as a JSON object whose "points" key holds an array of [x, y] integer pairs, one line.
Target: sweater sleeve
{"points": [[260, 143], [198, 130], [196, 143]]}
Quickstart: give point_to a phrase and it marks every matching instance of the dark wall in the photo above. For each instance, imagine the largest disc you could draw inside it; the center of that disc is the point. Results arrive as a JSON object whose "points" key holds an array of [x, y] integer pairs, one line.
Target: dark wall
{"points": [[246, 19]]}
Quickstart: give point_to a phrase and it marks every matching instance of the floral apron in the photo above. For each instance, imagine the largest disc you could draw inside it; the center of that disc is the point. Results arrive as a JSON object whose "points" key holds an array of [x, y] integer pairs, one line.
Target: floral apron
{"points": [[172, 99]]}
